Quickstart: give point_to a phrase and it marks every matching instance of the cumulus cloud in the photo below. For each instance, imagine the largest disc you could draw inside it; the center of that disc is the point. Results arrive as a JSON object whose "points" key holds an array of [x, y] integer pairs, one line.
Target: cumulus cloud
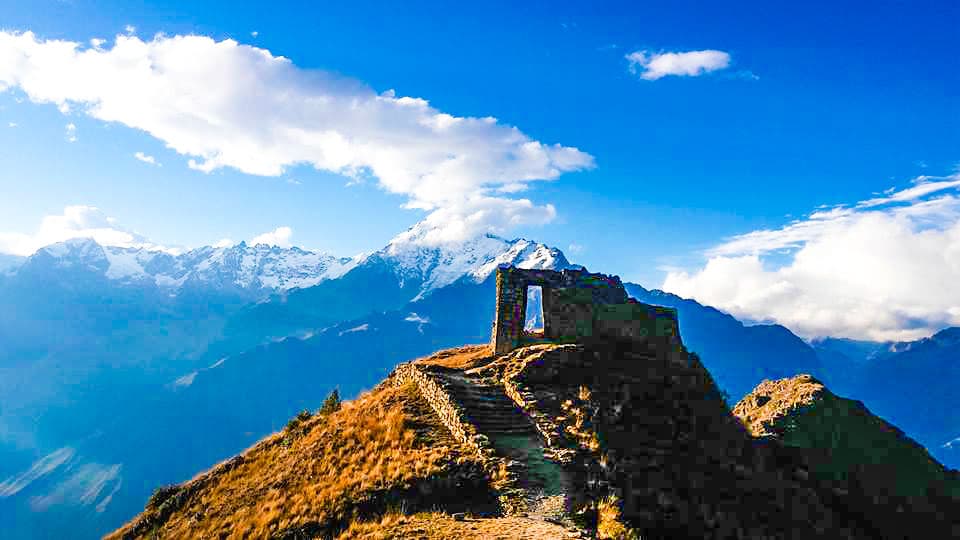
{"points": [[76, 222], [468, 218], [71, 131], [146, 158], [653, 66], [277, 237], [885, 268], [223, 104]]}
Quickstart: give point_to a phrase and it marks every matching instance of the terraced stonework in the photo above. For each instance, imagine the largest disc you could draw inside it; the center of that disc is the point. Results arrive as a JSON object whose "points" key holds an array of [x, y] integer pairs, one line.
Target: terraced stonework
{"points": [[478, 411]]}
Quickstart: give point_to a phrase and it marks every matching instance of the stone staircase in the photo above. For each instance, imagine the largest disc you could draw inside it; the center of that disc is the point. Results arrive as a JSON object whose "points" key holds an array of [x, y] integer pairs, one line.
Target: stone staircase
{"points": [[478, 412], [538, 481], [486, 405]]}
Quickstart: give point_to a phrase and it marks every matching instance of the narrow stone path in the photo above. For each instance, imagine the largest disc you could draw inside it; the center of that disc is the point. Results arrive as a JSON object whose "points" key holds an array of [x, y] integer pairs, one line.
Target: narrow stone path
{"points": [[514, 438]]}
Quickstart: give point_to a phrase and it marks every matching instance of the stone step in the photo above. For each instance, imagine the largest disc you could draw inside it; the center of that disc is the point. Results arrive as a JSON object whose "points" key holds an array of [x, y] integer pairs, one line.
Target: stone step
{"points": [[487, 408], [483, 423], [487, 425]]}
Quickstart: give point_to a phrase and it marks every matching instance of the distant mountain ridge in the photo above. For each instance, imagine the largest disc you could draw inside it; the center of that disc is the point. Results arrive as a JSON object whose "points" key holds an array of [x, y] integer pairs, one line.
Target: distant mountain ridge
{"points": [[235, 338], [269, 268], [241, 266]]}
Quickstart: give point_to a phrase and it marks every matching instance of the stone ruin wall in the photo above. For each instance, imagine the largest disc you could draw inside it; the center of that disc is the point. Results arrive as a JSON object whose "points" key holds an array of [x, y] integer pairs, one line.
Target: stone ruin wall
{"points": [[576, 305], [450, 414], [453, 417]]}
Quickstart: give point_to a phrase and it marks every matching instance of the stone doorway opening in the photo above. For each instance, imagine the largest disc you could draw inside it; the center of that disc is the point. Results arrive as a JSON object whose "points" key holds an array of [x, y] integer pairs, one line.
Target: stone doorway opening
{"points": [[533, 318]]}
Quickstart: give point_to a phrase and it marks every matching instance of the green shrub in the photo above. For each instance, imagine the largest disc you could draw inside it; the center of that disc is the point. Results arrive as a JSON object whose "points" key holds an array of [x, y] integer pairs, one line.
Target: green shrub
{"points": [[161, 494], [331, 404]]}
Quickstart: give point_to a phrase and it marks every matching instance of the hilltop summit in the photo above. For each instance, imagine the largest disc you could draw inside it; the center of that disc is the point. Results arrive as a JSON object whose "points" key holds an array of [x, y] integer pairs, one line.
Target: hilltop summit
{"points": [[601, 424]]}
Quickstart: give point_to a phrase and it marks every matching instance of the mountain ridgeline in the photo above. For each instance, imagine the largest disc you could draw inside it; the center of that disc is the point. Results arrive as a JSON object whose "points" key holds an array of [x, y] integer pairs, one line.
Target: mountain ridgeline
{"points": [[601, 423], [126, 369]]}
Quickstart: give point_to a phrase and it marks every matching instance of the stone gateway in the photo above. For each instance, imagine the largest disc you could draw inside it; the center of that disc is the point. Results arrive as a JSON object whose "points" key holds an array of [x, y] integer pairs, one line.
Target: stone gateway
{"points": [[577, 305]]}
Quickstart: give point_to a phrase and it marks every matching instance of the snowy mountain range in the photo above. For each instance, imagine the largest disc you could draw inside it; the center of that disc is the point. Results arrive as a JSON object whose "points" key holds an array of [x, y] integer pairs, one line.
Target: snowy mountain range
{"points": [[124, 369], [241, 266], [268, 269]]}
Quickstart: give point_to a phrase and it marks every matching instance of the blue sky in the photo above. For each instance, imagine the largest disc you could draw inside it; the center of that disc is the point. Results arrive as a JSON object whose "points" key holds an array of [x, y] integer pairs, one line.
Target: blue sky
{"points": [[818, 104]]}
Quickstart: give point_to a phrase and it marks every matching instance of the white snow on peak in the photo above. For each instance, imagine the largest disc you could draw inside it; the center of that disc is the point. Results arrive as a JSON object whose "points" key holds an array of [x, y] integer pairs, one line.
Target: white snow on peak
{"points": [[80, 251], [268, 268], [186, 380], [362, 328], [259, 267], [124, 263], [440, 265]]}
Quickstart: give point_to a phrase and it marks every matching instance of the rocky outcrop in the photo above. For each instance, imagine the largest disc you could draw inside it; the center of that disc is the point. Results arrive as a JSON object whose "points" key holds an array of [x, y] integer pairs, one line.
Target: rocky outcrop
{"points": [[847, 441], [613, 427], [647, 427]]}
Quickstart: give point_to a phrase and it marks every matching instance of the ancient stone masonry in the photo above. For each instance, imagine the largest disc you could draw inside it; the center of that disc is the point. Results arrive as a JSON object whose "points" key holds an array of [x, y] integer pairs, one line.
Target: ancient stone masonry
{"points": [[608, 407], [449, 412], [455, 399], [577, 305]]}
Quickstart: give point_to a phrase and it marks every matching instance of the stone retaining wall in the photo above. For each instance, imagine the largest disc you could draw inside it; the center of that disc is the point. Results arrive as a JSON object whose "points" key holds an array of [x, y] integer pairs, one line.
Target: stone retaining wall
{"points": [[450, 413], [452, 416]]}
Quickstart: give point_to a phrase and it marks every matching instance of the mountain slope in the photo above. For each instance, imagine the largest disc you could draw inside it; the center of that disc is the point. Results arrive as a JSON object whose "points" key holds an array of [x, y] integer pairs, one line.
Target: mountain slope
{"points": [[675, 462], [913, 384], [739, 356], [108, 367], [802, 413], [403, 271], [383, 448]]}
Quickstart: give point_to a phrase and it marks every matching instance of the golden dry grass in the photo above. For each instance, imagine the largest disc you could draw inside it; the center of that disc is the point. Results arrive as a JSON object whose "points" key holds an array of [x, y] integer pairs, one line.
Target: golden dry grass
{"points": [[610, 524], [439, 526], [386, 438], [771, 401], [467, 357]]}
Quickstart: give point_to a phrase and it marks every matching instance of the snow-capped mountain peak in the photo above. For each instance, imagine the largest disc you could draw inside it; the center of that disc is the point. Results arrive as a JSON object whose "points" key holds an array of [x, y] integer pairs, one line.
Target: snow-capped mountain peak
{"points": [[261, 268], [251, 268], [442, 264]]}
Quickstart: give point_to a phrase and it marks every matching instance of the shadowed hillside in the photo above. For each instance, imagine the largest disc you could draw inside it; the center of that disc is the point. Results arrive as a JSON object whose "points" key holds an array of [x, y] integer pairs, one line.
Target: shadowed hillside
{"points": [[600, 425]]}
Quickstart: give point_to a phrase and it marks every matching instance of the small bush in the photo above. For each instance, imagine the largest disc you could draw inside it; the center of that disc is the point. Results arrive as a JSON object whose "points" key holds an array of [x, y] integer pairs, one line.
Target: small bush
{"points": [[300, 418], [161, 494], [330, 405]]}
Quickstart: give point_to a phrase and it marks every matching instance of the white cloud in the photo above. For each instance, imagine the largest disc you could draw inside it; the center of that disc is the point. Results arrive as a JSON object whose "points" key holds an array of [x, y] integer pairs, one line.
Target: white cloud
{"points": [[146, 158], [11, 124], [575, 248], [254, 33], [76, 222], [653, 66], [83, 487], [39, 469], [71, 131], [466, 219], [224, 104], [277, 237], [883, 268], [130, 29]]}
